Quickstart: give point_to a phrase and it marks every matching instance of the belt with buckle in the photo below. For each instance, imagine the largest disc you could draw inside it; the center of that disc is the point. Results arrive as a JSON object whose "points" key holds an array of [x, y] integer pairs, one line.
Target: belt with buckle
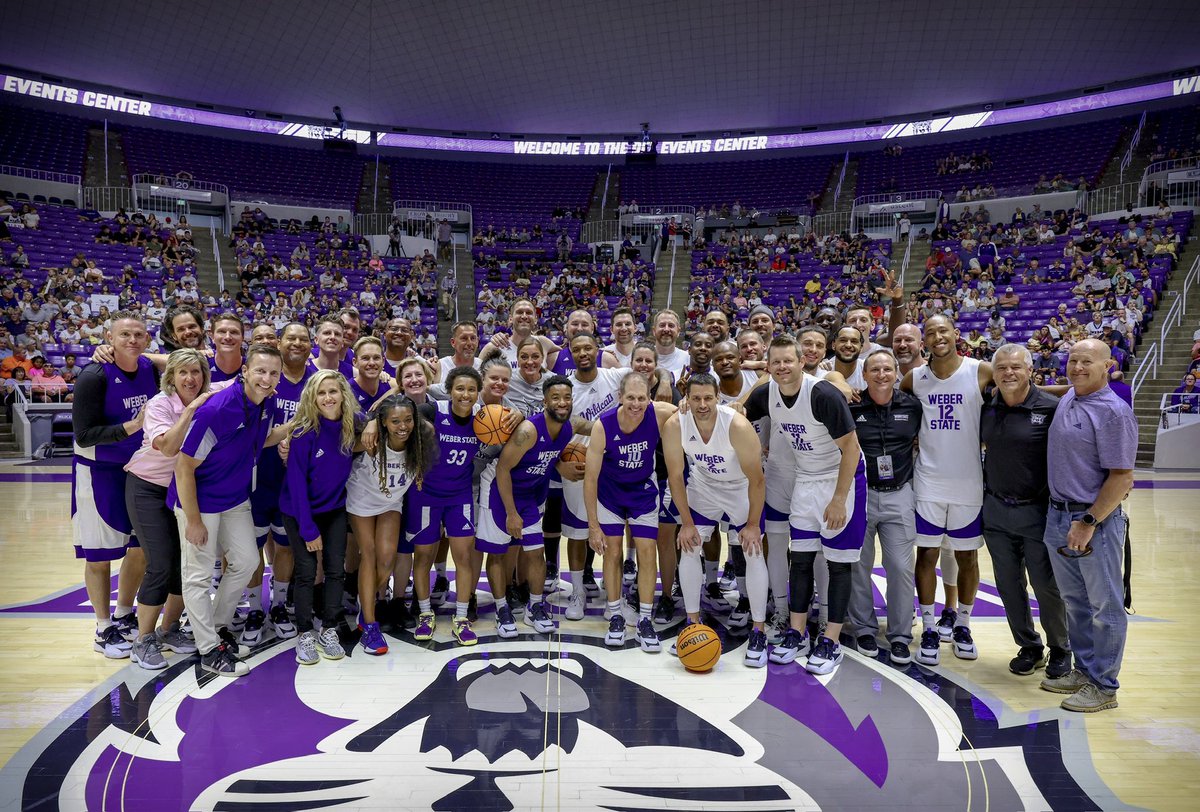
{"points": [[1071, 507], [1012, 501], [886, 488]]}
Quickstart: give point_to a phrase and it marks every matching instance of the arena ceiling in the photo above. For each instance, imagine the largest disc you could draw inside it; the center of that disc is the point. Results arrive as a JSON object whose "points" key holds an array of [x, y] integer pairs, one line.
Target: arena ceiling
{"points": [[600, 66]]}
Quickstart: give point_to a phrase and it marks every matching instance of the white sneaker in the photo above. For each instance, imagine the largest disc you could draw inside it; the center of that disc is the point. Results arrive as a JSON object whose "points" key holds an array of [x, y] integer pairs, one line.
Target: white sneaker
{"points": [[928, 653], [576, 606]]}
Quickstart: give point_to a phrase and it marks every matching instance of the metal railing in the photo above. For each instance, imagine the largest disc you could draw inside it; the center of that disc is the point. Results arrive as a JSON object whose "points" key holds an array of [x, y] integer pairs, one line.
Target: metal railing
{"points": [[607, 180], [897, 197], [596, 231], [1174, 163], [907, 256], [147, 179], [837, 193], [41, 174], [1127, 159], [835, 222], [108, 198], [216, 252], [1112, 198], [1148, 369], [1166, 409]]}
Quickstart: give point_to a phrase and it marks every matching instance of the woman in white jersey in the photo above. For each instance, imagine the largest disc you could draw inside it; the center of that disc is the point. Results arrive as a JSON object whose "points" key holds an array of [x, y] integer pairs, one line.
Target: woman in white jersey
{"points": [[375, 491]]}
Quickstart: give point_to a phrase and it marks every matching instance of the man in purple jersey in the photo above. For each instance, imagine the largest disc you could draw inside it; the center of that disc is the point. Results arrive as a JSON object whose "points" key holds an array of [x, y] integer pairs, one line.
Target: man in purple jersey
{"points": [[328, 352], [512, 504], [397, 338], [210, 494], [560, 360], [228, 332], [107, 417]]}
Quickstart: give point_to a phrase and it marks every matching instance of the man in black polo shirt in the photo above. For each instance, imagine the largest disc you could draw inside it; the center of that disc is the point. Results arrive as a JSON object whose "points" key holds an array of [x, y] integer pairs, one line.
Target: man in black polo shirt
{"points": [[1014, 428], [887, 422]]}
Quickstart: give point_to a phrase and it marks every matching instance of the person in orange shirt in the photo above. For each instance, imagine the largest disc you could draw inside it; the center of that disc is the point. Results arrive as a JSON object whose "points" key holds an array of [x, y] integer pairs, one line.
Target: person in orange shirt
{"points": [[17, 359]]}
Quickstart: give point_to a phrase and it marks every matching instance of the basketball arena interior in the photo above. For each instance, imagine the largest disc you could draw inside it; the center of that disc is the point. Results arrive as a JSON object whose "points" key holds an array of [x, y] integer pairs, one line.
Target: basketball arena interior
{"points": [[335, 339]]}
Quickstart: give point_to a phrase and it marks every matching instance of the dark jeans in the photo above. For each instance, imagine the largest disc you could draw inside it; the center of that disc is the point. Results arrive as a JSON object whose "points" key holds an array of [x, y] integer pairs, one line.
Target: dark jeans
{"points": [[157, 531], [332, 526]]}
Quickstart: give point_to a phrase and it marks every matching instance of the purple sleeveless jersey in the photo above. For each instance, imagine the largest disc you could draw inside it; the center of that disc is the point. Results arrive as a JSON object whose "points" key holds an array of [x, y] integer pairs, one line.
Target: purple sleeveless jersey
{"points": [[216, 375], [123, 398], [450, 476], [531, 474], [627, 476]]}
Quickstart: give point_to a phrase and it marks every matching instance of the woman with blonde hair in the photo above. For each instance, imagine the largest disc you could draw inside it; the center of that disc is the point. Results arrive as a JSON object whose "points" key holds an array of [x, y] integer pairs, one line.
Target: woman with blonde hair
{"points": [[184, 386], [313, 504]]}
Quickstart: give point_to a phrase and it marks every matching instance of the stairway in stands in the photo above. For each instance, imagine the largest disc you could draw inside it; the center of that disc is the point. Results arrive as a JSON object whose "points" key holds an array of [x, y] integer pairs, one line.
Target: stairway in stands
{"points": [[466, 297], [828, 203], [373, 198], [207, 276], [96, 172], [681, 260], [8, 443]]}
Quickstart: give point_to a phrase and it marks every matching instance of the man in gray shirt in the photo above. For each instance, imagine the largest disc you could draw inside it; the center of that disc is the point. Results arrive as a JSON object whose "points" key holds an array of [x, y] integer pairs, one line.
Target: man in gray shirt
{"points": [[1091, 452]]}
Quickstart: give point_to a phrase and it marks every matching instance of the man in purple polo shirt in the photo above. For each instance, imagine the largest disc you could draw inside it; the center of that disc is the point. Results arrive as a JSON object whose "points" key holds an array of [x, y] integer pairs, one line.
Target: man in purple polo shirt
{"points": [[1091, 451], [210, 495]]}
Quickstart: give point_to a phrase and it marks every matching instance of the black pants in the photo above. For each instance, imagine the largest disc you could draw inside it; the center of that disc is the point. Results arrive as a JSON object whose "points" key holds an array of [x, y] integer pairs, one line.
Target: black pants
{"points": [[158, 532], [332, 526]]}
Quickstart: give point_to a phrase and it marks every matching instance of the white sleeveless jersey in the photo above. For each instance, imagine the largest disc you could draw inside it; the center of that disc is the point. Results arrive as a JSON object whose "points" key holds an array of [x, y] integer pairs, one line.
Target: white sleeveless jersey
{"points": [[748, 380], [590, 400], [798, 434], [856, 379], [623, 360], [778, 446], [948, 467], [364, 497], [447, 363], [714, 462], [509, 354]]}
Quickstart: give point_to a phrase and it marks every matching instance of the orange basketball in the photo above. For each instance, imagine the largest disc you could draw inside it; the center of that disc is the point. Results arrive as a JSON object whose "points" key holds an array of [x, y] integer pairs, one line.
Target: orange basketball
{"points": [[574, 452], [489, 425], [699, 648]]}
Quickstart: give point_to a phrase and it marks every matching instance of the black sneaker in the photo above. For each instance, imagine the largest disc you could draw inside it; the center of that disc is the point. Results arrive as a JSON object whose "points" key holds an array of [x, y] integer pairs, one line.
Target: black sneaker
{"points": [[1028, 660], [441, 585], [127, 625], [1059, 664], [522, 592], [230, 641], [868, 646], [901, 655], [473, 608], [665, 611], [222, 662]]}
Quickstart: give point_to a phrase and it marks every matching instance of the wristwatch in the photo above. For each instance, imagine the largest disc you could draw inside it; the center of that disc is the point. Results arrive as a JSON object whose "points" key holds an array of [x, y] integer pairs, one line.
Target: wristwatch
{"points": [[1089, 520]]}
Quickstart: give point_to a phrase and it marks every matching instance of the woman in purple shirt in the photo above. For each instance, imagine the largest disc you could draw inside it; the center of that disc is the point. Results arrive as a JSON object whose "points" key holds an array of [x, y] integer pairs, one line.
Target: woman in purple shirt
{"points": [[313, 504], [1187, 397]]}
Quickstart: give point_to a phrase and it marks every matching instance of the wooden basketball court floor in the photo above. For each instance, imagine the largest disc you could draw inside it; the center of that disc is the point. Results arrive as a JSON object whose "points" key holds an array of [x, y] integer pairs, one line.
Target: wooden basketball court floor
{"points": [[78, 731]]}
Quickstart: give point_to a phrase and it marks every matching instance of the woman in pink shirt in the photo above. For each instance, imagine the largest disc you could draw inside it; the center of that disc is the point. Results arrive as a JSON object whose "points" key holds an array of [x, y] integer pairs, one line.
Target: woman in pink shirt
{"points": [[184, 385]]}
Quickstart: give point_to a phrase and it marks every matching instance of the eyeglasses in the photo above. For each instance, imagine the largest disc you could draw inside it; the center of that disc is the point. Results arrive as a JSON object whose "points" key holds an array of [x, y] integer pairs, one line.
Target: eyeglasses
{"points": [[1067, 552]]}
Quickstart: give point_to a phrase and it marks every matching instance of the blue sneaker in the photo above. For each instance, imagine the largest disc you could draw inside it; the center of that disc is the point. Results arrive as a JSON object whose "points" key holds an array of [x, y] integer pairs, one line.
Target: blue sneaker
{"points": [[647, 637], [756, 649], [795, 643], [964, 645], [426, 623], [506, 626], [945, 625], [928, 654], [825, 658], [616, 631], [373, 641], [536, 617]]}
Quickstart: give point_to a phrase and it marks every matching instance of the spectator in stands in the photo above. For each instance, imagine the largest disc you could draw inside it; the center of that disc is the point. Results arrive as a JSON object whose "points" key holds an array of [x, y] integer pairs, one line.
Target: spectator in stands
{"points": [[9, 384], [1187, 397], [1009, 300], [18, 359]]}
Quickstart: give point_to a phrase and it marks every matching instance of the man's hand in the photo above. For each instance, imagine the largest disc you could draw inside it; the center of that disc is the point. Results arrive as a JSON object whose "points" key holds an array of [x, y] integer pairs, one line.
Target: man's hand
{"points": [[751, 538], [596, 539], [104, 354], [891, 288], [135, 425], [512, 418], [501, 341], [689, 538], [572, 471], [514, 525], [196, 533], [1079, 537], [314, 546], [835, 513]]}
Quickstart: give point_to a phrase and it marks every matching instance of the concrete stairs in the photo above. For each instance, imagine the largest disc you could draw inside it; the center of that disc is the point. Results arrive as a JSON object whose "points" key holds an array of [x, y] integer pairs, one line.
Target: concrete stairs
{"points": [[207, 277], [600, 208], [828, 203], [369, 200], [680, 259], [916, 264], [94, 163], [1177, 355], [1141, 159], [8, 442], [466, 296]]}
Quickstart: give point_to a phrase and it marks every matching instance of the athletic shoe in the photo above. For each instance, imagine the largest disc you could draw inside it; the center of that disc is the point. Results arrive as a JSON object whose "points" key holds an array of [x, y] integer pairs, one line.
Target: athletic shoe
{"points": [[281, 622], [536, 617], [576, 606], [714, 597], [647, 637], [867, 645], [589, 584], [628, 572], [825, 658], [964, 645], [514, 600], [147, 653], [551, 583], [795, 643], [616, 631], [330, 645], [173, 639], [1060, 663], [252, 631], [728, 580], [777, 627], [441, 585], [222, 662], [928, 653], [239, 619], [306, 649], [506, 627], [756, 649], [676, 590], [1090, 699], [900, 654], [236, 649], [521, 590], [1028, 660], [349, 604], [665, 611], [473, 608], [673, 649], [740, 616], [185, 625], [945, 625], [426, 623], [633, 600], [1068, 683], [463, 633], [373, 641], [127, 625]]}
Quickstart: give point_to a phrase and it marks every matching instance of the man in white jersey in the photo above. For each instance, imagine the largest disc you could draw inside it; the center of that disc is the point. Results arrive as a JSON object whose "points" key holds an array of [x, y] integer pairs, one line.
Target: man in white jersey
{"points": [[827, 512], [464, 338], [666, 330], [521, 321], [847, 358], [948, 479], [726, 484], [624, 336], [716, 324], [735, 382], [593, 392]]}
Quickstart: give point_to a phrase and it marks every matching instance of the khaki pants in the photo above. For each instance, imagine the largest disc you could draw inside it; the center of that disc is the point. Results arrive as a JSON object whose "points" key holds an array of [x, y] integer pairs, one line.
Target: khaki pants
{"points": [[230, 535]]}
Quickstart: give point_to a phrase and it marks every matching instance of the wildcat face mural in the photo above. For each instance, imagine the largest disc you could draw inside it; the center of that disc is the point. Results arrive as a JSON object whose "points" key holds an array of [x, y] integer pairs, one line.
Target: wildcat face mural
{"points": [[523, 723]]}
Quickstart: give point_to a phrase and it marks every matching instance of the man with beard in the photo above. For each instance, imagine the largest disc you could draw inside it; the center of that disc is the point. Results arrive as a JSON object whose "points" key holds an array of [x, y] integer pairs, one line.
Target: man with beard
{"points": [[699, 357], [906, 346], [512, 504], [666, 331], [183, 326], [624, 336], [716, 324], [762, 321], [752, 349], [397, 344], [828, 319], [847, 359]]}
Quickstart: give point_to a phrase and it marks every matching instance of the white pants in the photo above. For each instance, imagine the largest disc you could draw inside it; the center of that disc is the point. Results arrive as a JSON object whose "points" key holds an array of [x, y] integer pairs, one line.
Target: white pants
{"points": [[230, 534]]}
